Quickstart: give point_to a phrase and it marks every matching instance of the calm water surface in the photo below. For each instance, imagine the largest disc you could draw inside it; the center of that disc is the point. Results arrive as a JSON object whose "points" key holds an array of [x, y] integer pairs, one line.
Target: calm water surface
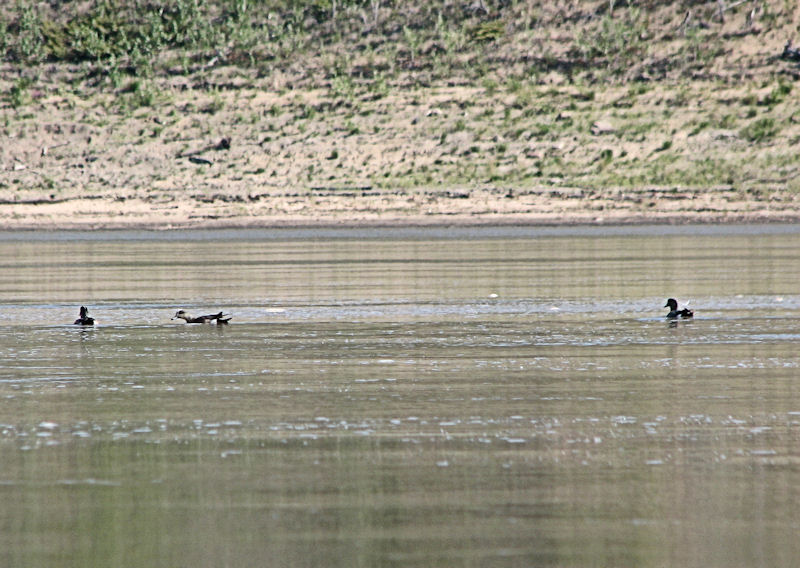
{"points": [[482, 397]]}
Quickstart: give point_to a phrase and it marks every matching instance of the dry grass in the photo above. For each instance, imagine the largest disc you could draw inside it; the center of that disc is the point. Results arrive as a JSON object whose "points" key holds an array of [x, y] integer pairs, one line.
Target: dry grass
{"points": [[531, 113]]}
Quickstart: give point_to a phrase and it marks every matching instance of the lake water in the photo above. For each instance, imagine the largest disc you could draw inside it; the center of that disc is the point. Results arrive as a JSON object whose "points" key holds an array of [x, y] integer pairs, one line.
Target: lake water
{"points": [[417, 397]]}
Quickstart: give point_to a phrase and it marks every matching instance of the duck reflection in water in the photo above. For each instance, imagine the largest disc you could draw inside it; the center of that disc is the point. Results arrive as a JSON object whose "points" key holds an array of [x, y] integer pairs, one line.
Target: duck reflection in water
{"points": [[219, 318]]}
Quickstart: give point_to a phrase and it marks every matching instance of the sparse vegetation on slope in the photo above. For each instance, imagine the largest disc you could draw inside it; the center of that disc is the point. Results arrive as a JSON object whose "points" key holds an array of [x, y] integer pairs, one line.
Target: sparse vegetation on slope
{"points": [[635, 106]]}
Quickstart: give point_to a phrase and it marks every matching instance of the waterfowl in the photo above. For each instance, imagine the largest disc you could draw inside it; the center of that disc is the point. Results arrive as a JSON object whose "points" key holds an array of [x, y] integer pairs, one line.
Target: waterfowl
{"points": [[220, 318], [674, 312], [84, 319]]}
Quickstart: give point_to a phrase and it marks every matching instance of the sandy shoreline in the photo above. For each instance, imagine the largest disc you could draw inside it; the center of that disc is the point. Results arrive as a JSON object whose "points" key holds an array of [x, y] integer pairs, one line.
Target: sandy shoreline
{"points": [[155, 223], [398, 209]]}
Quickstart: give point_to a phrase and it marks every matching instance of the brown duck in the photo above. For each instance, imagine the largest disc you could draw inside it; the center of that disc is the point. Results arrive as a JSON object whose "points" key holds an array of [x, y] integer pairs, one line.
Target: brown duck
{"points": [[219, 318]]}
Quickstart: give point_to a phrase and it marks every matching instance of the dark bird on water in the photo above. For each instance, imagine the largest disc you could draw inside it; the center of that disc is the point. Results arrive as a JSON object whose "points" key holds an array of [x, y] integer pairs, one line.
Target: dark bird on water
{"points": [[84, 319], [219, 318], [674, 312]]}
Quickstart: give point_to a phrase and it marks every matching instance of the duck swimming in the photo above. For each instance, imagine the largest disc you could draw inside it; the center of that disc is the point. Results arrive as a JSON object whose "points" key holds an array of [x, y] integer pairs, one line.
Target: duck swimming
{"points": [[220, 318], [84, 319], [674, 312]]}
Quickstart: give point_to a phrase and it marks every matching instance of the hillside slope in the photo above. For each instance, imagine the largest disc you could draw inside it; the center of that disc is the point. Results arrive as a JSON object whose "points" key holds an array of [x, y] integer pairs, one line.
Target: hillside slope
{"points": [[133, 113]]}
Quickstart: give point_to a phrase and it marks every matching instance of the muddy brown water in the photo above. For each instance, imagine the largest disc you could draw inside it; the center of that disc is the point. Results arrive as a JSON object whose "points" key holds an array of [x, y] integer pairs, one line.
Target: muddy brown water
{"points": [[426, 397]]}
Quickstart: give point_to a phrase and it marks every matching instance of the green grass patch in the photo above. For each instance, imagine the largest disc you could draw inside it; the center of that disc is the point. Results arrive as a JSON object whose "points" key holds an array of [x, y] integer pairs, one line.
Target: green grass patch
{"points": [[760, 130]]}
